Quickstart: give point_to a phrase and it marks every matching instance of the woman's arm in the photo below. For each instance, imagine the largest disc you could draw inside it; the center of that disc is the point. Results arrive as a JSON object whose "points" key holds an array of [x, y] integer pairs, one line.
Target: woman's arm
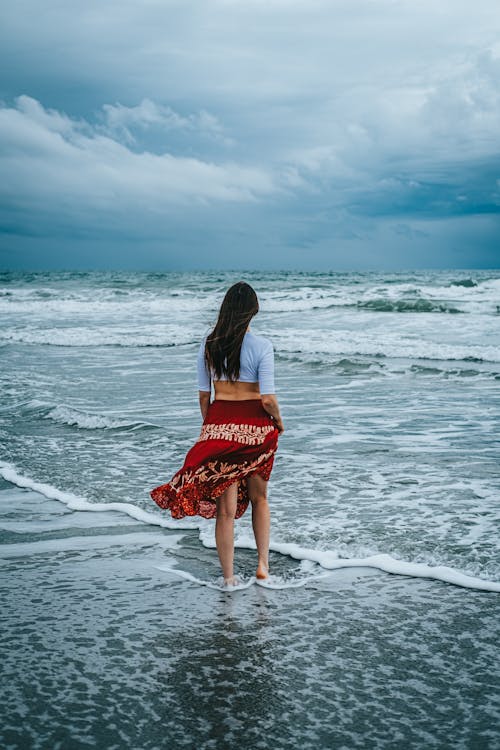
{"points": [[204, 397], [266, 385], [270, 404]]}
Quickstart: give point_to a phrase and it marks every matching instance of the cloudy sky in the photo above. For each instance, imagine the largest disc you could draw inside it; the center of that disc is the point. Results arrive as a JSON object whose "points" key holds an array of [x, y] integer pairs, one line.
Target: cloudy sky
{"points": [[313, 134]]}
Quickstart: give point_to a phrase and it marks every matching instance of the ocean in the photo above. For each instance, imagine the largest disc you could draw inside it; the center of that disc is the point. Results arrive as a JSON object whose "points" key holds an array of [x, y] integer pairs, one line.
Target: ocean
{"points": [[378, 626]]}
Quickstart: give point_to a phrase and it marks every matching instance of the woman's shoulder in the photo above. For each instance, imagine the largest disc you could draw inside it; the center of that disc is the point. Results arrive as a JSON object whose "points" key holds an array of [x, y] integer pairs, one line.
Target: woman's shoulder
{"points": [[257, 342], [203, 343]]}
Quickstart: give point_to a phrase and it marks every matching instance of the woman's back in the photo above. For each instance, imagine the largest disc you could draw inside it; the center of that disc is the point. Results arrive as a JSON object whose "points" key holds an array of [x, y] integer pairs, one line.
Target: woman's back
{"points": [[256, 375]]}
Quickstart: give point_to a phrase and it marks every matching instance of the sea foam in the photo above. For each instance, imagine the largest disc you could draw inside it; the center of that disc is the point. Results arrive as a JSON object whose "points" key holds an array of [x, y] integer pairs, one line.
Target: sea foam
{"points": [[272, 582], [219, 584], [327, 559], [74, 502], [153, 336], [313, 346]]}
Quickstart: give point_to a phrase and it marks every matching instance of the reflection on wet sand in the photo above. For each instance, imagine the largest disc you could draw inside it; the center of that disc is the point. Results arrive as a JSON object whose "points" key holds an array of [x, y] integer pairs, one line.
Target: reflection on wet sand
{"points": [[222, 676]]}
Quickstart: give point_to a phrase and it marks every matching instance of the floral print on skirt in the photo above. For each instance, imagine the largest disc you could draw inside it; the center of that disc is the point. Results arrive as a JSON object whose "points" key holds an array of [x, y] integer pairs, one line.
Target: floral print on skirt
{"points": [[237, 439]]}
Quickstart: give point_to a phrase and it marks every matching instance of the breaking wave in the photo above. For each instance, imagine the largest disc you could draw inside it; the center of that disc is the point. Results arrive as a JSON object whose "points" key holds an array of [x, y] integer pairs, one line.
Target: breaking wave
{"points": [[153, 336], [81, 419], [87, 421], [410, 306], [311, 346]]}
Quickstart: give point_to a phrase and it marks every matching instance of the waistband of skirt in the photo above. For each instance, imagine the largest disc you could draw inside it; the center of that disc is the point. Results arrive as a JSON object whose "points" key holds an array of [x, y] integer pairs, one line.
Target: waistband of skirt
{"points": [[237, 409]]}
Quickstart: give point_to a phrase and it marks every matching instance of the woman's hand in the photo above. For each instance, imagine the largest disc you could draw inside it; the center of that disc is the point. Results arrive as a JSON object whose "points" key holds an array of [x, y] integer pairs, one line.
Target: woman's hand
{"points": [[270, 404], [279, 425]]}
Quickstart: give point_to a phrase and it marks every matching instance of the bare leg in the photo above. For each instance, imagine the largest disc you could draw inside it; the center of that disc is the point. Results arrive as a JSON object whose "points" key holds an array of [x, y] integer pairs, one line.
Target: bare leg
{"points": [[261, 522], [224, 531]]}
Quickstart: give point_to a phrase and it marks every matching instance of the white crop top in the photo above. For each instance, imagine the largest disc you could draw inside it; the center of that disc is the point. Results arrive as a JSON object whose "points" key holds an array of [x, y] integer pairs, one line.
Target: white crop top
{"points": [[256, 364]]}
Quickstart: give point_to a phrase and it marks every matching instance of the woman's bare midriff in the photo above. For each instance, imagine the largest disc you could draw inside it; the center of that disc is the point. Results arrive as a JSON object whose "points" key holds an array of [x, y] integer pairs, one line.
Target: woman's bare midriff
{"points": [[239, 391]]}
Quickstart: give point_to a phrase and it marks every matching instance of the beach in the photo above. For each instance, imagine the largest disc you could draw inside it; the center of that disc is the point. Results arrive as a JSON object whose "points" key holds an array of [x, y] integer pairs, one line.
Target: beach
{"points": [[379, 626], [103, 647]]}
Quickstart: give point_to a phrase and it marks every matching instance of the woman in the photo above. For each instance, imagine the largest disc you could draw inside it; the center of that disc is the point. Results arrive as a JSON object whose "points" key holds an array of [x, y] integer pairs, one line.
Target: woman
{"points": [[231, 462]]}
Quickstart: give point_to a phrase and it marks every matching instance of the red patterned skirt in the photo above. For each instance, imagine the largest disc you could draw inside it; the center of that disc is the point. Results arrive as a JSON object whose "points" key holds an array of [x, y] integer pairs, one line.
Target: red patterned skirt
{"points": [[237, 439]]}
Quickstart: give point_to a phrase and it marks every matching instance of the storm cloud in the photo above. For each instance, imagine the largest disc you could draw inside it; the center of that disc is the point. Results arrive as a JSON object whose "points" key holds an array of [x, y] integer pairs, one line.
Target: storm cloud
{"points": [[278, 134]]}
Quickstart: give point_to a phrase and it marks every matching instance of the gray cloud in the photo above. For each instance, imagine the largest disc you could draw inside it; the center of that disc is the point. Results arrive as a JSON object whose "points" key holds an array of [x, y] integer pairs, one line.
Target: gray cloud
{"points": [[149, 118], [310, 127], [58, 157]]}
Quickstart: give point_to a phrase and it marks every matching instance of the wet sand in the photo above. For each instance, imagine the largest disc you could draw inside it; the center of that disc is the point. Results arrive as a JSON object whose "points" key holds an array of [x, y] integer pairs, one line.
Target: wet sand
{"points": [[101, 648]]}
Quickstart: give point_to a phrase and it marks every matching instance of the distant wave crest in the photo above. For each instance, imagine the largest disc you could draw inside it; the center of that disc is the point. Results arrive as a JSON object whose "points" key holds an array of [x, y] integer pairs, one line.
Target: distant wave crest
{"points": [[464, 282], [411, 306], [83, 420], [87, 421]]}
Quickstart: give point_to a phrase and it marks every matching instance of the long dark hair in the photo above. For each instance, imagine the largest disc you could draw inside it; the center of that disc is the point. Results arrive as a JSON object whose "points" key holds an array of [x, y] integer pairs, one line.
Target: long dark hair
{"points": [[223, 344]]}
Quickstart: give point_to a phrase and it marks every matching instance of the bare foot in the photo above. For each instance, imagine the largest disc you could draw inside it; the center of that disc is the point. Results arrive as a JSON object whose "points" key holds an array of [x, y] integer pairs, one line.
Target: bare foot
{"points": [[231, 581], [262, 571]]}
